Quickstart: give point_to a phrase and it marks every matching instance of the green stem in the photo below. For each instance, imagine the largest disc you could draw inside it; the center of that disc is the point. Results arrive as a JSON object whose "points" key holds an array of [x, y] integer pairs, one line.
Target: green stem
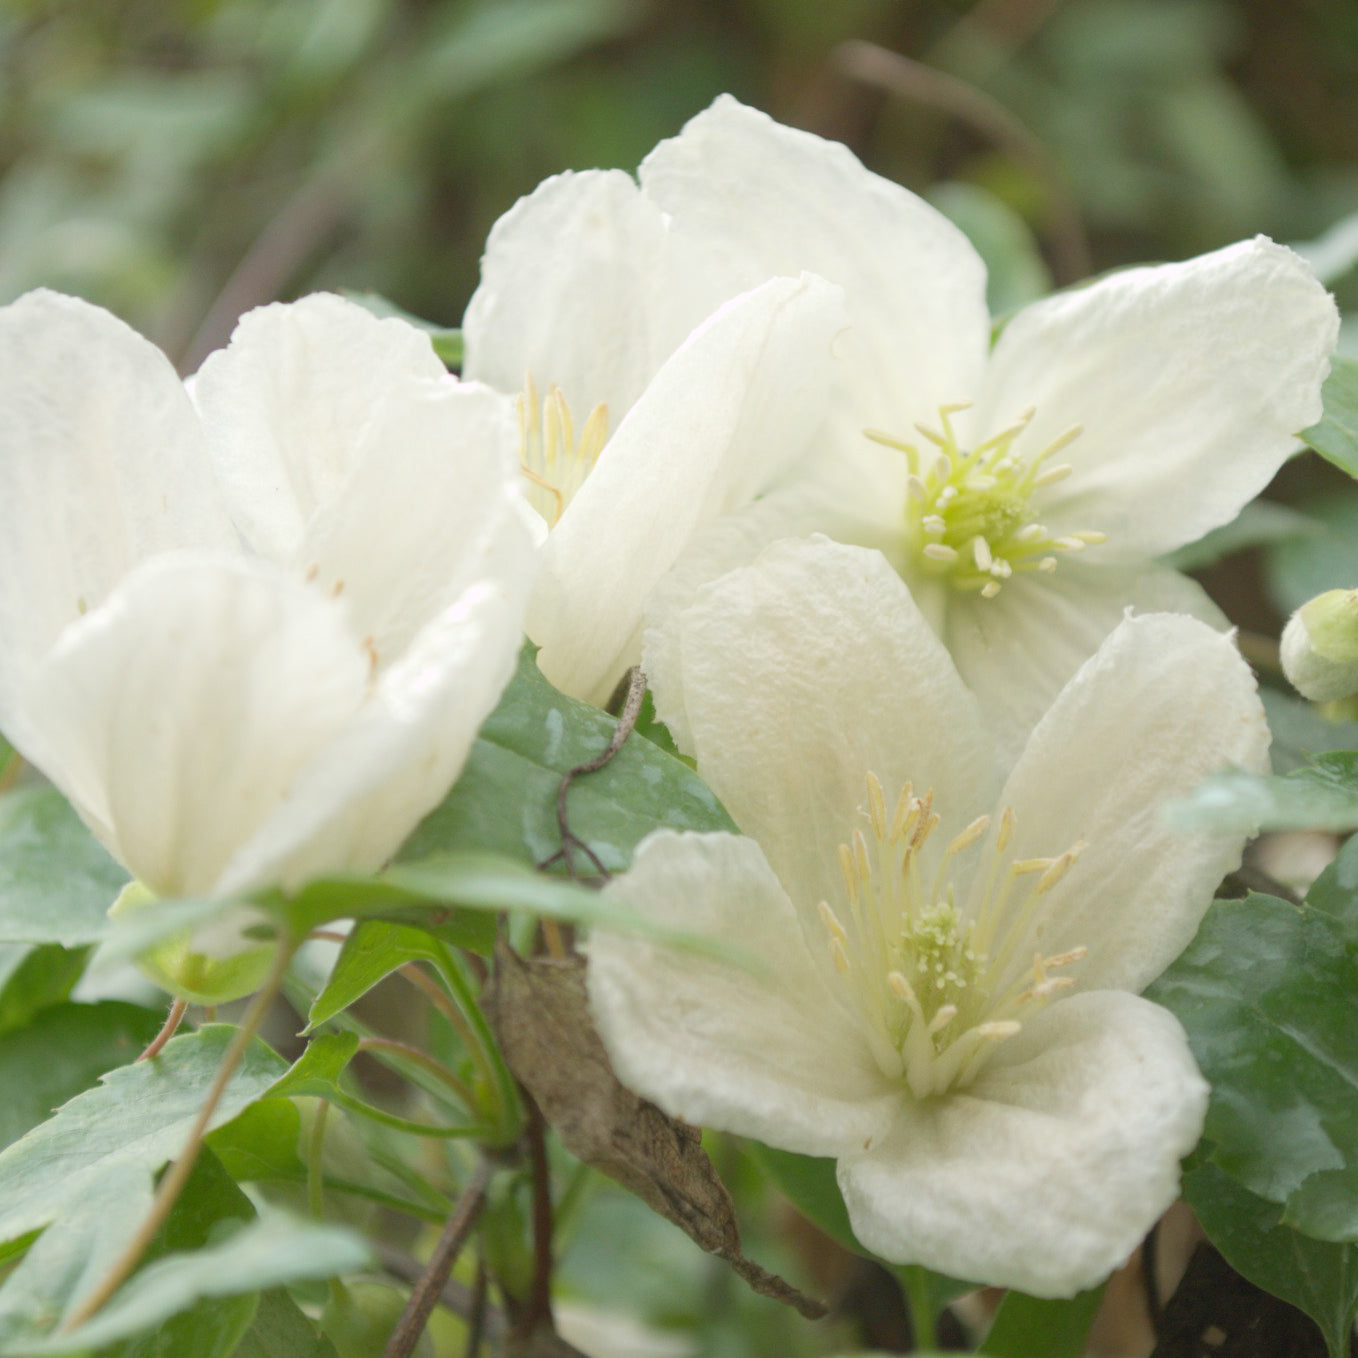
{"points": [[315, 1152], [921, 1306], [388, 1046]]}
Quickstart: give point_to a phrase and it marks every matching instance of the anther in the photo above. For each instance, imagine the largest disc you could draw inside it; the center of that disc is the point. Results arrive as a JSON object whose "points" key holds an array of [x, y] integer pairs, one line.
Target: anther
{"points": [[831, 922], [1008, 824], [980, 550], [969, 836], [939, 551]]}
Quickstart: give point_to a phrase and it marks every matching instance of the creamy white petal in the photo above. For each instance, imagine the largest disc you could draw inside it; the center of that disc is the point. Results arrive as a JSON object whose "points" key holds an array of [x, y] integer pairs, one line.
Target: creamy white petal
{"points": [[1165, 702], [737, 401], [803, 672], [424, 513], [351, 807], [1190, 380], [1018, 650], [288, 407], [1047, 1172], [768, 1054], [751, 198], [178, 713], [568, 292], [102, 463]]}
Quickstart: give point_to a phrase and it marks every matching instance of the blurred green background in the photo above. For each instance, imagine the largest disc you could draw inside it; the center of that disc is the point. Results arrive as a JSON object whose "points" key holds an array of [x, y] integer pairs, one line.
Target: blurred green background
{"points": [[181, 162]]}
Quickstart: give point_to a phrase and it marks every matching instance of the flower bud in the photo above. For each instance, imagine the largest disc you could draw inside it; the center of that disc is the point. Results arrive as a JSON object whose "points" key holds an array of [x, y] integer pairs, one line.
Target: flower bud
{"points": [[1320, 646]]}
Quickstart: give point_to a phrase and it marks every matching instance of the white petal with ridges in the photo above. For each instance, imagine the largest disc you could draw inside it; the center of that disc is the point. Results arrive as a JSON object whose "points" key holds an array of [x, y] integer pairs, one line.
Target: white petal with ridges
{"points": [[767, 1053], [1047, 1172], [1165, 702], [1190, 381], [738, 400], [177, 715], [579, 317], [287, 407], [802, 673], [102, 463]]}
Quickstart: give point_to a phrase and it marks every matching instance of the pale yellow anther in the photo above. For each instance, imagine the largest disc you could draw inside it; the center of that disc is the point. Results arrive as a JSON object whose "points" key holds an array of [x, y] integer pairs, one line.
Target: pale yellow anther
{"points": [[904, 803], [1091, 537], [939, 551], [1008, 824], [831, 922], [876, 806], [940, 1020], [1064, 959], [900, 987], [969, 836], [1069, 544], [916, 489], [1053, 474], [860, 855], [1059, 869], [999, 1030], [841, 958], [980, 551], [1021, 867], [1047, 564], [990, 589]]}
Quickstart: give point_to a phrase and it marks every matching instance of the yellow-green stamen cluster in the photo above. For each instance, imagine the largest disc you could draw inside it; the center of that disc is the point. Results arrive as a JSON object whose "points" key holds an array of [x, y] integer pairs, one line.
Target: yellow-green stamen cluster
{"points": [[553, 462], [969, 515], [931, 982]]}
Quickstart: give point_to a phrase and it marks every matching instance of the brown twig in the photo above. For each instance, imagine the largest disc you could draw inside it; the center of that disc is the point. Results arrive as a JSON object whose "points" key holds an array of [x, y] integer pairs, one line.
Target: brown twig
{"points": [[538, 1314], [907, 79], [167, 1030], [429, 1287], [476, 1310]]}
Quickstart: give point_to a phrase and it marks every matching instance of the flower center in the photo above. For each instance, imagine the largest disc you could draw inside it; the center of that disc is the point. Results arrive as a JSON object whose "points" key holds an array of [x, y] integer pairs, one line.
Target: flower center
{"points": [[550, 457], [929, 980], [969, 515]]}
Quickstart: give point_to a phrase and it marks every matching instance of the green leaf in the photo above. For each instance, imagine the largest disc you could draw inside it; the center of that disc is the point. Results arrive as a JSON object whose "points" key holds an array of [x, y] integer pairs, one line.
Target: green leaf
{"points": [[1025, 1326], [319, 1067], [1316, 1276], [1301, 730], [1260, 522], [1015, 272], [1300, 569], [505, 800], [280, 1330], [33, 976], [64, 1053], [371, 952], [1335, 435], [56, 882], [1323, 795], [1266, 993], [274, 1250], [87, 1172]]}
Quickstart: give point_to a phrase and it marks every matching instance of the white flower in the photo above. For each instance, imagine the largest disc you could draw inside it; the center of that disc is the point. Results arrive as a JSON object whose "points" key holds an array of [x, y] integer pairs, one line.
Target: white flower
{"points": [[227, 718], [1023, 492], [950, 956], [642, 416]]}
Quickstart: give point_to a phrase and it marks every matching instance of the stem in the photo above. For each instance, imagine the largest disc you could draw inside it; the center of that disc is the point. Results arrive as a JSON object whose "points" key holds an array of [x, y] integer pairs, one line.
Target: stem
{"points": [[422, 1059], [916, 1287], [538, 1314], [426, 1292], [315, 1179], [476, 1310], [167, 1194], [167, 1030]]}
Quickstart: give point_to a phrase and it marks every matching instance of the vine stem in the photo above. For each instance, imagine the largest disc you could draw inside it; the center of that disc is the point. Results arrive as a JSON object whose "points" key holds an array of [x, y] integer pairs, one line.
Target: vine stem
{"points": [[167, 1194], [167, 1029], [425, 1294]]}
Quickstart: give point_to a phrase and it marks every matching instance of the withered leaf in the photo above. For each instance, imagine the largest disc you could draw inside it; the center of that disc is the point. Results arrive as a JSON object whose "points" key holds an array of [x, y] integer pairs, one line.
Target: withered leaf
{"points": [[540, 1013]]}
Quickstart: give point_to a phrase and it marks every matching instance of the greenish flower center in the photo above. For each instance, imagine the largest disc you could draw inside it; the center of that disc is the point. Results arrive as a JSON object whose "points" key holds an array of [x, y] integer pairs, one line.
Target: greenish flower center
{"points": [[939, 989], [971, 514], [554, 462]]}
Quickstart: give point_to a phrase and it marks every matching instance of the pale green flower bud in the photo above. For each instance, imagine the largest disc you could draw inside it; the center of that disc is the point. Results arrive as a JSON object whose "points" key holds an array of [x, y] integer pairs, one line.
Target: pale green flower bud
{"points": [[1320, 646]]}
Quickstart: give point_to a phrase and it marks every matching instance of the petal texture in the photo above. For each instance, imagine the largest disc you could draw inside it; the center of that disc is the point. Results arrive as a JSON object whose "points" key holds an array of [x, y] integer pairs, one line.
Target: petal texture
{"points": [[740, 398], [1047, 1173], [1190, 380], [290, 403], [768, 1054], [1164, 702], [803, 672], [102, 463]]}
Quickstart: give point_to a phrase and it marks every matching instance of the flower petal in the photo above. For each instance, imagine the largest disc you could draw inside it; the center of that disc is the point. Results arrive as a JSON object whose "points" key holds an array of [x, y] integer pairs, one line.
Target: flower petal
{"points": [[179, 713], [579, 318], [738, 400], [750, 199], [365, 790], [803, 672], [769, 1054], [102, 463], [1018, 650], [1164, 702], [1049, 1170], [289, 407], [432, 506], [1190, 380]]}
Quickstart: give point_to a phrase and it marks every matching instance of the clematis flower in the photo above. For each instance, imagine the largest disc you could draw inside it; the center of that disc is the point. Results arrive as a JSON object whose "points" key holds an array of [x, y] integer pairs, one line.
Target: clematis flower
{"points": [[250, 634], [1024, 492], [950, 948], [642, 417]]}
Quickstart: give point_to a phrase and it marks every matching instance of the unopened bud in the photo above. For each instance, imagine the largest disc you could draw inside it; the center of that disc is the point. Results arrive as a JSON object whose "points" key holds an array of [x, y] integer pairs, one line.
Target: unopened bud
{"points": [[1320, 646]]}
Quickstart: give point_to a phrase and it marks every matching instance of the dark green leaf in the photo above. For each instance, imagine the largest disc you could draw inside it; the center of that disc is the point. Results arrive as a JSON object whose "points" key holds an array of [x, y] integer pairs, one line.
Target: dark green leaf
{"points": [[1300, 730], [1025, 1326], [262, 1143], [1259, 523], [319, 1067], [280, 1330], [1303, 567], [1323, 795], [1319, 1277], [505, 801], [1266, 993], [1335, 435], [86, 1173], [62, 1054], [33, 976], [56, 882]]}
